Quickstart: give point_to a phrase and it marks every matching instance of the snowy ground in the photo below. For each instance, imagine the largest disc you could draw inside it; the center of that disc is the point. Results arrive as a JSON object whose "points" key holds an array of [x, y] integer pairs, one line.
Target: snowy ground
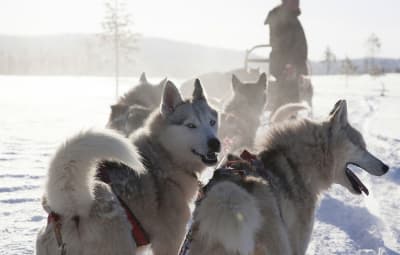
{"points": [[37, 113]]}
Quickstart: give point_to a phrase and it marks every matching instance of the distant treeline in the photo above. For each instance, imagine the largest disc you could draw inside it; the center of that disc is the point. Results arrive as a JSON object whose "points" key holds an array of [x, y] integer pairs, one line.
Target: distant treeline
{"points": [[92, 55]]}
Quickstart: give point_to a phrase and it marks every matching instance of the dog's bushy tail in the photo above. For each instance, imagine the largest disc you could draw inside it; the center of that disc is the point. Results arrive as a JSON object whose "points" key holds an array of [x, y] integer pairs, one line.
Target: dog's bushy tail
{"points": [[229, 216], [71, 175], [286, 111]]}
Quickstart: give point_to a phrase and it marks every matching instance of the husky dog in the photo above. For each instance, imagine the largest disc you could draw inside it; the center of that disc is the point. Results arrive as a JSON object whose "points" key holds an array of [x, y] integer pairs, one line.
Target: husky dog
{"points": [[176, 144], [274, 214], [132, 109], [241, 116], [218, 85]]}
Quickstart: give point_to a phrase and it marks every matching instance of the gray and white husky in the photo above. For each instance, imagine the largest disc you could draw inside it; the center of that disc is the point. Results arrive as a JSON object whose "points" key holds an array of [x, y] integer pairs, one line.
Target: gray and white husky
{"points": [[275, 214], [133, 108], [241, 116], [164, 159]]}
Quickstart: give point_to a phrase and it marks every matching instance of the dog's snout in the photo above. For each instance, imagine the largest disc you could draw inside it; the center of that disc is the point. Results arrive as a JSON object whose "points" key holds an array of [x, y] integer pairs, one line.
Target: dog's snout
{"points": [[214, 145]]}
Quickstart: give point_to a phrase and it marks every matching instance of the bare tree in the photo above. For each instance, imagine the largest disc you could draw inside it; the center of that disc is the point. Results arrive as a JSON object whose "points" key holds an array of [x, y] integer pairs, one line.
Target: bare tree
{"points": [[329, 59], [117, 26], [348, 68], [373, 45]]}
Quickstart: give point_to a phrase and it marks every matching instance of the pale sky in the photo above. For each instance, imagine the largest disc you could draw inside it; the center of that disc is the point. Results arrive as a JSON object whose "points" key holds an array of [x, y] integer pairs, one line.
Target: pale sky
{"points": [[234, 24]]}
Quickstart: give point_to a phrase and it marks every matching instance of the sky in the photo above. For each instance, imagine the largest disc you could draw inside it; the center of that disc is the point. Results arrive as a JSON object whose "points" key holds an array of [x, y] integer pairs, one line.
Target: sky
{"points": [[343, 25]]}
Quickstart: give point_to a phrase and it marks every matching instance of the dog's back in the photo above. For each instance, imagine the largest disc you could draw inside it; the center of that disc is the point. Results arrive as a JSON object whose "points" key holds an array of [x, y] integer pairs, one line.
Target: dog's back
{"points": [[237, 218]]}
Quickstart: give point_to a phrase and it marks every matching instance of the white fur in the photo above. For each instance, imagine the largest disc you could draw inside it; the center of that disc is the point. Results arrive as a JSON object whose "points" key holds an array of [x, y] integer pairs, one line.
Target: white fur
{"points": [[286, 111], [231, 218], [69, 186]]}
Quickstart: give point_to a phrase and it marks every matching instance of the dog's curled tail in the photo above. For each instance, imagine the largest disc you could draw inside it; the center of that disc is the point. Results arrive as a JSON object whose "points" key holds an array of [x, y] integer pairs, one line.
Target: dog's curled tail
{"points": [[70, 182], [288, 111], [229, 216]]}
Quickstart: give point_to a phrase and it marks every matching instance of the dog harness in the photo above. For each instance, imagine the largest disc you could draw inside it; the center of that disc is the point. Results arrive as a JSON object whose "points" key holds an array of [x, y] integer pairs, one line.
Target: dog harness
{"points": [[139, 235], [54, 218], [246, 165]]}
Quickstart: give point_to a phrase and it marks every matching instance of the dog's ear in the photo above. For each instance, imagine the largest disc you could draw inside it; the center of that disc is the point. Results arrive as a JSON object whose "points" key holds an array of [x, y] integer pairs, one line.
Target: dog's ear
{"points": [[170, 98], [262, 81], [143, 78], [338, 116], [163, 81], [236, 83], [198, 92]]}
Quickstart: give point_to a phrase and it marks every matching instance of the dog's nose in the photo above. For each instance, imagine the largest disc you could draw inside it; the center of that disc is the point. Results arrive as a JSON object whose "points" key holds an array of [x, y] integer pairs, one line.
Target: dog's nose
{"points": [[214, 145], [385, 168]]}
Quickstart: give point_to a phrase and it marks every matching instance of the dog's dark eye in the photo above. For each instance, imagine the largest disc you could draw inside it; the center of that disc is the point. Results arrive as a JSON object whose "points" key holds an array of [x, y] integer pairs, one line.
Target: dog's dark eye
{"points": [[191, 125], [212, 122]]}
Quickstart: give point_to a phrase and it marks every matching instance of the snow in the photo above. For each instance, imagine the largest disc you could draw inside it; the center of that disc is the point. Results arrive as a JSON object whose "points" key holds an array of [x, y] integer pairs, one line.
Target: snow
{"points": [[37, 113]]}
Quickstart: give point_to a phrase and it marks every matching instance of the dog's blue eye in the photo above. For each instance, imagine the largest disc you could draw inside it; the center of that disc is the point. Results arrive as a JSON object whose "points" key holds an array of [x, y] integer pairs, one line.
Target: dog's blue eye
{"points": [[191, 125], [212, 122]]}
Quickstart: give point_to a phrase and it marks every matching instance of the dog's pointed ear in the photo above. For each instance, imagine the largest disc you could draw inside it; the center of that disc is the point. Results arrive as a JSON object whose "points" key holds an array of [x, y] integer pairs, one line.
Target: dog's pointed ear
{"points": [[262, 81], [170, 98], [198, 92], [236, 83], [143, 78], [163, 81], [338, 116]]}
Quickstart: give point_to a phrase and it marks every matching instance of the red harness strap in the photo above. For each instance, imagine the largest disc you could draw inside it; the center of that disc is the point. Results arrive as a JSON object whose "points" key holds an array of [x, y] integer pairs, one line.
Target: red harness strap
{"points": [[55, 219], [139, 235], [246, 155]]}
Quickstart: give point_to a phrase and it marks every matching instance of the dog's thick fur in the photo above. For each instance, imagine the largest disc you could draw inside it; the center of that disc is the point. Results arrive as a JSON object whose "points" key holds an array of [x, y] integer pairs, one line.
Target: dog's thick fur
{"points": [[302, 159], [176, 144], [133, 108], [241, 116]]}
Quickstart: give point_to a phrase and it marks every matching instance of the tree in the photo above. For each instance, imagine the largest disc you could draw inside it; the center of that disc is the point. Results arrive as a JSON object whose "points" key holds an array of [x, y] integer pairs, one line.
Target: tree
{"points": [[117, 25], [348, 68], [329, 59], [373, 45]]}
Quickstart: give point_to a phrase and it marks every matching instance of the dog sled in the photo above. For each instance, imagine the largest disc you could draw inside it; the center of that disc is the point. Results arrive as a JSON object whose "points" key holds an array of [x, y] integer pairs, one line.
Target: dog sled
{"points": [[292, 89]]}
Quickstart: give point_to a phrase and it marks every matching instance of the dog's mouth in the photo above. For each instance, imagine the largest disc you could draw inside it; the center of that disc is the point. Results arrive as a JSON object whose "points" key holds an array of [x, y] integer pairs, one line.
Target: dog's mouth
{"points": [[209, 159], [358, 186]]}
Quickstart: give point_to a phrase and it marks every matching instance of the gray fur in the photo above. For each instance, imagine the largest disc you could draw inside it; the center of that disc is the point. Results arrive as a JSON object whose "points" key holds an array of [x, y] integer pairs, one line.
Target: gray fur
{"points": [[160, 197], [303, 159], [132, 109], [241, 117], [218, 85]]}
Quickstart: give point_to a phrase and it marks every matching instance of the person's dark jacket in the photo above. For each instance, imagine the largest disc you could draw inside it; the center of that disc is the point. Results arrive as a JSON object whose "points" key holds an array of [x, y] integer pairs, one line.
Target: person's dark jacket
{"points": [[288, 41]]}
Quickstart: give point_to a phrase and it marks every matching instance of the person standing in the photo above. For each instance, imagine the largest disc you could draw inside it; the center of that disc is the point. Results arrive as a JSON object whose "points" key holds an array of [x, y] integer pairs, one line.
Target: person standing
{"points": [[288, 41]]}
